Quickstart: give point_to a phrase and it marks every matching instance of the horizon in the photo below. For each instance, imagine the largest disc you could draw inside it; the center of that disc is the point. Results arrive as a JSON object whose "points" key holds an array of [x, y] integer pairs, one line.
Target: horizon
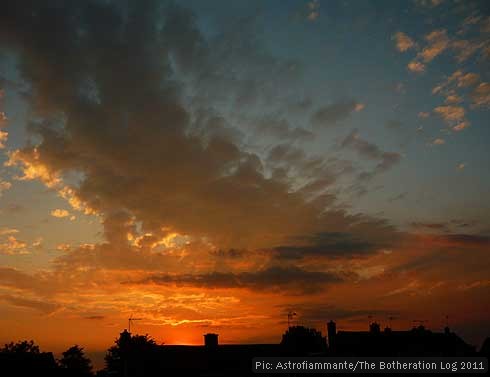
{"points": [[97, 357], [216, 166]]}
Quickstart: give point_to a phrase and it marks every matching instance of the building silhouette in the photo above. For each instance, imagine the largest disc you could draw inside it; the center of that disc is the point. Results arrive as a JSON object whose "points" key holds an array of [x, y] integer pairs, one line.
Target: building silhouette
{"points": [[140, 356], [211, 341], [418, 341], [214, 359]]}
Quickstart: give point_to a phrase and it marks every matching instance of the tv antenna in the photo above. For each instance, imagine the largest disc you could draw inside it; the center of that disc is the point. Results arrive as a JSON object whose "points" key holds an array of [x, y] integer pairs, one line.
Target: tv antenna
{"points": [[290, 317], [420, 322], [130, 319], [390, 318]]}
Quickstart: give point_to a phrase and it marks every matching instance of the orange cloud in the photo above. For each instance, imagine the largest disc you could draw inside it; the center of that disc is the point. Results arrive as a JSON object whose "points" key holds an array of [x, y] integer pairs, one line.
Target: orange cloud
{"points": [[60, 213], [416, 66], [403, 41]]}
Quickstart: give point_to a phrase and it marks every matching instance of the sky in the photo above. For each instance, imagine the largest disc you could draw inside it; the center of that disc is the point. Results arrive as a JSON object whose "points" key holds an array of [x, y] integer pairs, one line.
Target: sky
{"points": [[212, 166]]}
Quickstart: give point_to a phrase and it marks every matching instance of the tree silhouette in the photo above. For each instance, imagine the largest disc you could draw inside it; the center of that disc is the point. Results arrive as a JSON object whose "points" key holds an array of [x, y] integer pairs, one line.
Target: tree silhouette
{"points": [[25, 359], [130, 356], [76, 363], [21, 347]]}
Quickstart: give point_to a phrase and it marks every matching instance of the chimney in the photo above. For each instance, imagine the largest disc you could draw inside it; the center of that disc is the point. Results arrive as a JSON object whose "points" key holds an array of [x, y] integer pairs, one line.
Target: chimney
{"points": [[374, 328], [332, 334], [211, 341]]}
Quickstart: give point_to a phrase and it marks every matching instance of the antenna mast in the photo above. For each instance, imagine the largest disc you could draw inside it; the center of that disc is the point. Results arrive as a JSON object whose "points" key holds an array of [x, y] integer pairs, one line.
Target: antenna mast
{"points": [[130, 319], [390, 318], [290, 317]]}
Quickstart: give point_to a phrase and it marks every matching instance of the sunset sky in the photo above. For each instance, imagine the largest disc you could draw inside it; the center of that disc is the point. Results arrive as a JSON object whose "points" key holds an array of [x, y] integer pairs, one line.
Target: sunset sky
{"points": [[208, 166]]}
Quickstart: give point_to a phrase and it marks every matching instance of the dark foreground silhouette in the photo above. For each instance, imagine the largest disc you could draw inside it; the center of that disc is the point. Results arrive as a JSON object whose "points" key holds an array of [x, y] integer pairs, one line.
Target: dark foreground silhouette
{"points": [[141, 356]]}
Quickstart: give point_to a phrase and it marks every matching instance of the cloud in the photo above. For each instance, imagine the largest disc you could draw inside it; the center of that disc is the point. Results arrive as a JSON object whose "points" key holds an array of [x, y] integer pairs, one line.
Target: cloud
{"points": [[153, 157], [415, 66], [3, 138], [42, 306], [313, 10], [451, 88], [428, 3], [465, 49], [463, 240], [281, 129], [145, 149], [485, 25], [63, 247], [438, 141], [3, 119], [461, 166], [10, 277], [468, 79], [429, 226], [12, 246], [453, 99], [273, 279], [451, 259], [386, 160], [95, 317], [330, 115], [403, 41], [400, 196], [461, 126], [327, 245], [3, 124], [437, 42], [60, 213], [450, 113], [472, 19], [359, 107], [423, 114], [7, 231], [324, 312], [481, 95], [459, 79], [4, 186]]}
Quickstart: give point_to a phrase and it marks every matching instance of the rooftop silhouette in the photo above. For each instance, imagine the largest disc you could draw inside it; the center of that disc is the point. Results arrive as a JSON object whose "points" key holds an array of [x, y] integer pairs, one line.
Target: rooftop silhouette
{"points": [[140, 356]]}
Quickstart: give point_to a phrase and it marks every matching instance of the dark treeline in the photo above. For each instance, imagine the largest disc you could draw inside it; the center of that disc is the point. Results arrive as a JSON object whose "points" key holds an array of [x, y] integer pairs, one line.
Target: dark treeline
{"points": [[24, 358], [128, 357]]}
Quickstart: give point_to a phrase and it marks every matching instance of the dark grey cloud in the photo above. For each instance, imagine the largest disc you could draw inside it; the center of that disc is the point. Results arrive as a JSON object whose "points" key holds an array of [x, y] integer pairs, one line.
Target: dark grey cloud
{"points": [[229, 253], [284, 279], [429, 226], [450, 252], [400, 196], [315, 312], [466, 239], [95, 317], [328, 245], [331, 114], [366, 149]]}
